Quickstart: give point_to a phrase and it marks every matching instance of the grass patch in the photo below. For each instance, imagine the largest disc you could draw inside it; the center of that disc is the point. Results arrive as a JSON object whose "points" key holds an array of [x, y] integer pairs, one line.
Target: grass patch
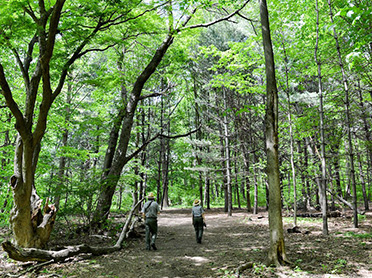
{"points": [[355, 235], [303, 220]]}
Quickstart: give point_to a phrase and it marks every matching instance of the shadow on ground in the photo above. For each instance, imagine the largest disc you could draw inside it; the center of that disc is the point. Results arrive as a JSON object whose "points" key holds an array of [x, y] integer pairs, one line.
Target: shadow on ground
{"points": [[228, 242]]}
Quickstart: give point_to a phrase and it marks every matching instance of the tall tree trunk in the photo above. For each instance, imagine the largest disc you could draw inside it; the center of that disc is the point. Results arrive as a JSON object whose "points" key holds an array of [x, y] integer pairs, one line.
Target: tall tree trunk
{"points": [[255, 202], [367, 134], [62, 159], [245, 156], [304, 177], [207, 198], [227, 155], [277, 253], [237, 191], [361, 175], [163, 165], [323, 187], [290, 137], [223, 163], [165, 171], [143, 156], [198, 137], [347, 119]]}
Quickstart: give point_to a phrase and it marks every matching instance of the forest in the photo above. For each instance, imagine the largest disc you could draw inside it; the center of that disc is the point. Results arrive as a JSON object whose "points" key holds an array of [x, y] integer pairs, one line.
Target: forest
{"points": [[260, 109]]}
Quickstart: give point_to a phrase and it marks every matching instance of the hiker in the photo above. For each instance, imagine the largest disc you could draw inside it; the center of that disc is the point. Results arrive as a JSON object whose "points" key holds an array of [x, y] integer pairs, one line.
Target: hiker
{"points": [[198, 220], [150, 213]]}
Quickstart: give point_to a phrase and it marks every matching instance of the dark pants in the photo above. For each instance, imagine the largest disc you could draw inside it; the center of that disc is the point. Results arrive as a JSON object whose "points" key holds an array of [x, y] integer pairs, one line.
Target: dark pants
{"points": [[151, 231], [198, 226]]}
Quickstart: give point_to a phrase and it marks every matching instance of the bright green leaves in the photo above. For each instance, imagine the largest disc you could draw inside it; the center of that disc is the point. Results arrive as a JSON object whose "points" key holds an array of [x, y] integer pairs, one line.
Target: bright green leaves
{"points": [[235, 67], [15, 24]]}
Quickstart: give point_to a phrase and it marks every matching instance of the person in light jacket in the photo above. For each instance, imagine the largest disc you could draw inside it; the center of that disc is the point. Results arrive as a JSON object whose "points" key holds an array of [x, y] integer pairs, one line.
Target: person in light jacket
{"points": [[150, 213], [198, 220]]}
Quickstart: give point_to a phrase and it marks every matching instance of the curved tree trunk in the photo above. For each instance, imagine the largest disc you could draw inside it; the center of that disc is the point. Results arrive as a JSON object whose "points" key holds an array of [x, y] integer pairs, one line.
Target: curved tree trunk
{"points": [[31, 224]]}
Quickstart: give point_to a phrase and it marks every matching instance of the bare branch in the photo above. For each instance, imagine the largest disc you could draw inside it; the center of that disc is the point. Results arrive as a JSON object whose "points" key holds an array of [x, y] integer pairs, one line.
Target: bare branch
{"points": [[95, 49], [250, 20], [119, 19], [159, 93], [125, 228], [140, 149], [204, 25], [180, 135], [246, 18]]}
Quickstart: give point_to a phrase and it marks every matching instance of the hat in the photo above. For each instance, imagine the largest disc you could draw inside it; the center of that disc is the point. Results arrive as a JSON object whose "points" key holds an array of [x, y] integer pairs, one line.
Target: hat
{"points": [[151, 196], [196, 202]]}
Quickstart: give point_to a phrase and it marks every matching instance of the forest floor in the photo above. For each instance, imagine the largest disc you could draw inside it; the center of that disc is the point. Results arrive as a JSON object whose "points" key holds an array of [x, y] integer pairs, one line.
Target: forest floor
{"points": [[228, 242]]}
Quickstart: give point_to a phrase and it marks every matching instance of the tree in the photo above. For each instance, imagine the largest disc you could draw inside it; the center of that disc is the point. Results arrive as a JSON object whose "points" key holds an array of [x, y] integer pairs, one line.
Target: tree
{"points": [[44, 64], [323, 187], [277, 254], [118, 154], [32, 231], [347, 118]]}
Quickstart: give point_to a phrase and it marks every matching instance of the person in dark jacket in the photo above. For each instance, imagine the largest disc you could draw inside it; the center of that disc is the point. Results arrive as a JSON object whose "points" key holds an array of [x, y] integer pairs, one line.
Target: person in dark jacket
{"points": [[150, 213], [198, 220]]}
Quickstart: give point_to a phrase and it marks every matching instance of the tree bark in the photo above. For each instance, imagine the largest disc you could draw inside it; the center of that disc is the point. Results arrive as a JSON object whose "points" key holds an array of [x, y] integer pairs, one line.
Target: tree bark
{"points": [[277, 253], [323, 183], [227, 155]]}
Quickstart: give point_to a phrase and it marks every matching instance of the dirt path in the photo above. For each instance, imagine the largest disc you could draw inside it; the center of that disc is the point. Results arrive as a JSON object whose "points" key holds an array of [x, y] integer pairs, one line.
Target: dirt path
{"points": [[227, 243], [224, 246]]}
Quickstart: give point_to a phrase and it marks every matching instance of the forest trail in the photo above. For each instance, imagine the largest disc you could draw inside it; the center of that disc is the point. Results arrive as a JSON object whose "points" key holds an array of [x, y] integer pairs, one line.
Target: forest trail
{"points": [[224, 246], [227, 243]]}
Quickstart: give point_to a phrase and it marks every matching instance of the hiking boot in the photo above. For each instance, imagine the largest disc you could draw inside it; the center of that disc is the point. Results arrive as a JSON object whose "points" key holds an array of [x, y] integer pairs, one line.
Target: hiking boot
{"points": [[153, 246]]}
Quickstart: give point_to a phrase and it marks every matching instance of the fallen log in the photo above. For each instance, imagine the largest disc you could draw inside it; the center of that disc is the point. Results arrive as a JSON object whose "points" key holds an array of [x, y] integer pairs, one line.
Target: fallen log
{"points": [[319, 214], [342, 200], [41, 255], [243, 267]]}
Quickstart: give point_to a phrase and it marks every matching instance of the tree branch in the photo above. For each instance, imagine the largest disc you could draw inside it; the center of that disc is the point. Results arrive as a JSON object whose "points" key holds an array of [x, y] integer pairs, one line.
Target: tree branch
{"points": [[117, 21], [157, 94], [13, 106], [125, 228], [342, 200], [180, 135], [204, 25], [140, 149]]}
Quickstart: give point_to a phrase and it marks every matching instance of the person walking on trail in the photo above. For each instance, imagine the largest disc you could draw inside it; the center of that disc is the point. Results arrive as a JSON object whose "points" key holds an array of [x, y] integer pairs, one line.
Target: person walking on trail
{"points": [[198, 220], [150, 213]]}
